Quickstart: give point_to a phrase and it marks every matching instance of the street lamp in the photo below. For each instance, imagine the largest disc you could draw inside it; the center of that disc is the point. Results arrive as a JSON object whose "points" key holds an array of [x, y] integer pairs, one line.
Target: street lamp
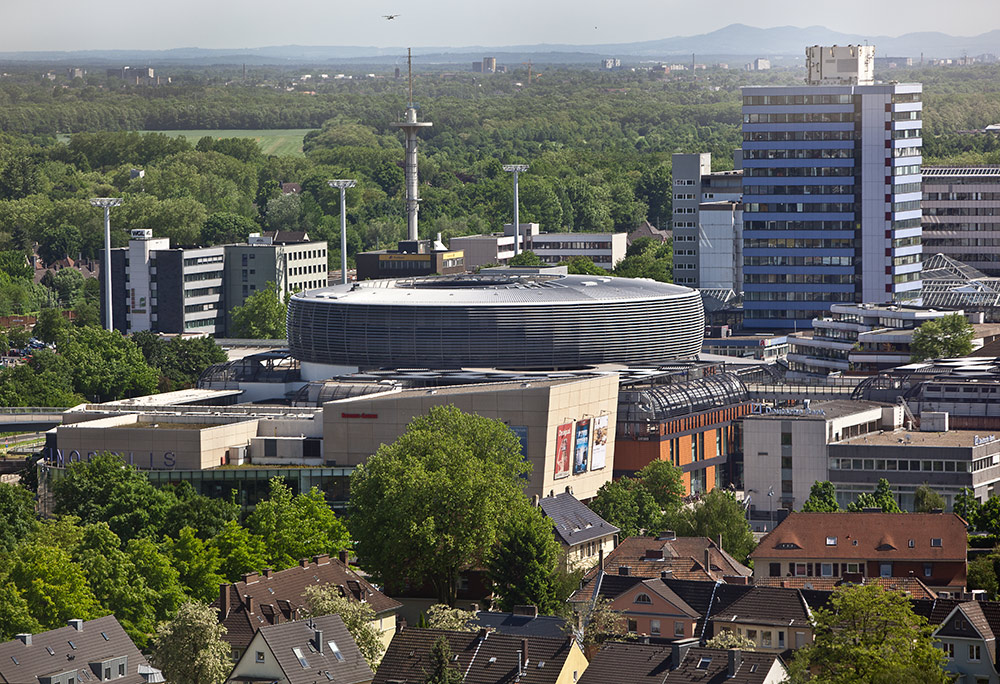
{"points": [[343, 184], [770, 506], [516, 169], [106, 203]]}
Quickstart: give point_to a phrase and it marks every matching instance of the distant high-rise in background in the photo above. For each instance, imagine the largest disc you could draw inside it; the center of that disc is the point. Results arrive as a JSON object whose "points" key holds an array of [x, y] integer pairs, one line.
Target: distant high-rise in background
{"points": [[489, 65], [707, 223], [831, 189]]}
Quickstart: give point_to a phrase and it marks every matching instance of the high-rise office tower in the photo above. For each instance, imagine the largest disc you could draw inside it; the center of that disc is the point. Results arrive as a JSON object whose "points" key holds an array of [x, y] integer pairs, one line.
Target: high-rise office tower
{"points": [[831, 191]]}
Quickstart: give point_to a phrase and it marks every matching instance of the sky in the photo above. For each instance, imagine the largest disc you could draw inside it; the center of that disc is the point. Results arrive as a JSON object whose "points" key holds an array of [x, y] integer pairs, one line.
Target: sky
{"points": [[131, 24]]}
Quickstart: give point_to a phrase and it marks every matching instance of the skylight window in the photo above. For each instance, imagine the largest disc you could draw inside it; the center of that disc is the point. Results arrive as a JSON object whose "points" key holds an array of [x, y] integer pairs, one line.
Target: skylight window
{"points": [[335, 650], [831, 541], [71, 645], [936, 541], [49, 649], [704, 663], [105, 635], [302, 659]]}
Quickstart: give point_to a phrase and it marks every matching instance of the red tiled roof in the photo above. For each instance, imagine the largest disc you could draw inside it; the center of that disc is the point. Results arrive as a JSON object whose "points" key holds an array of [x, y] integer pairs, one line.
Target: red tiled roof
{"points": [[866, 536], [278, 597], [682, 557], [911, 586]]}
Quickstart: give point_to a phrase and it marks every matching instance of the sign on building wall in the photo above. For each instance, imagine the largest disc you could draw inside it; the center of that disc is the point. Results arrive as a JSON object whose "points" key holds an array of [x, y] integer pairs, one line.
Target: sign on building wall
{"points": [[521, 432], [564, 434], [581, 452], [599, 453]]}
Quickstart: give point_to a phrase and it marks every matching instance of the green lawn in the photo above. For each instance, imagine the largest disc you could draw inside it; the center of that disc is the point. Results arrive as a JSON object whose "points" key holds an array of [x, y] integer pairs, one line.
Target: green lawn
{"points": [[279, 141]]}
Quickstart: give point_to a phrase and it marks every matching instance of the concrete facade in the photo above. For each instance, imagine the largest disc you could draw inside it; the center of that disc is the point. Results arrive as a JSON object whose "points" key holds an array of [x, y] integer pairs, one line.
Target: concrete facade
{"points": [[353, 429], [961, 215]]}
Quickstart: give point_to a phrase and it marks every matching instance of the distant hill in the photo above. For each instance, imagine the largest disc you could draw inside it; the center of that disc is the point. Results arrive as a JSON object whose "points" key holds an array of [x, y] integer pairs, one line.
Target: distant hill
{"points": [[735, 40]]}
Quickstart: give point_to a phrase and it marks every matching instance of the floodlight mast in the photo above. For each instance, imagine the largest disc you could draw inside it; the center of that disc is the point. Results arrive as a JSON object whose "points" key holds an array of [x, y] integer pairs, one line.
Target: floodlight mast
{"points": [[343, 184], [106, 203], [516, 169]]}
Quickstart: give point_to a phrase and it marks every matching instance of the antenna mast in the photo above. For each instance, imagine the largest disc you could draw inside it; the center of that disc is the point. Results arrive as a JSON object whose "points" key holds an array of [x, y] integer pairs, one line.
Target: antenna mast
{"points": [[409, 69], [410, 126]]}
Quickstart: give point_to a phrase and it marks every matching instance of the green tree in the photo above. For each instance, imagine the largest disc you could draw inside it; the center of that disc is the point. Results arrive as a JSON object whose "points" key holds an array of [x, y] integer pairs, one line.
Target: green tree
{"points": [[524, 565], [359, 618], [947, 337], [665, 482], [926, 499], [719, 513], [629, 506], [226, 227], [822, 498], [262, 315], [196, 563], [882, 499], [17, 515], [526, 258], [988, 519], [51, 326], [982, 574], [602, 622], [441, 616], [430, 504], [106, 366], [189, 648], [58, 243], [869, 635], [728, 639], [15, 614], [294, 527], [968, 507], [239, 551], [54, 588], [581, 265], [442, 671]]}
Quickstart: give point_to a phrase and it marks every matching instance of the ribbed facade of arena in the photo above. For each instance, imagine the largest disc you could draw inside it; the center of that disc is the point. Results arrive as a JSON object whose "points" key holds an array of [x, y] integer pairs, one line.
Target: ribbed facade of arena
{"points": [[533, 321]]}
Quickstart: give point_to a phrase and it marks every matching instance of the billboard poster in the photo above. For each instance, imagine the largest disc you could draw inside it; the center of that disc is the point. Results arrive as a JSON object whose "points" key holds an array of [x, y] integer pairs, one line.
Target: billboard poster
{"points": [[600, 450], [582, 446], [564, 434], [521, 432]]}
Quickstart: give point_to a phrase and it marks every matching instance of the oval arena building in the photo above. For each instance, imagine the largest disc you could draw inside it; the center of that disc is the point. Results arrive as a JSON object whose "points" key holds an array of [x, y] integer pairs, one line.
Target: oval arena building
{"points": [[532, 320]]}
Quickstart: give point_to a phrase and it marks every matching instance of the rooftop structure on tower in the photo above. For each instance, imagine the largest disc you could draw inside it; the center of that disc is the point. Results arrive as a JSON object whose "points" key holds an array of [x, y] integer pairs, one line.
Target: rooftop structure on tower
{"points": [[410, 127]]}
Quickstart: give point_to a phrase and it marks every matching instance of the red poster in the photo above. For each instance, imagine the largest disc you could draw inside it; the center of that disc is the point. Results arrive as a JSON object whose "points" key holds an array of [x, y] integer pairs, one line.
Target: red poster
{"points": [[564, 434]]}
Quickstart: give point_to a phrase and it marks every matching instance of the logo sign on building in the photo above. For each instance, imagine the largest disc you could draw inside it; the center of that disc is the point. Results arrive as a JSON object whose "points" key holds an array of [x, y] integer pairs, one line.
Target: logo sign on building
{"points": [[564, 434], [582, 446], [599, 453]]}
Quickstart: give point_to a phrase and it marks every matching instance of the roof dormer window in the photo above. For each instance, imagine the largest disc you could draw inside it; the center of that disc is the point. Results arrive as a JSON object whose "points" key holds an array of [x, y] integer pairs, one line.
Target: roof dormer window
{"points": [[936, 542]]}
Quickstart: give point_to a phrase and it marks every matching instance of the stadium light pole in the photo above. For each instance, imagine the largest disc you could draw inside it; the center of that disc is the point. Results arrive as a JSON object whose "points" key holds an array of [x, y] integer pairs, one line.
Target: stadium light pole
{"points": [[516, 169], [343, 184], [106, 203]]}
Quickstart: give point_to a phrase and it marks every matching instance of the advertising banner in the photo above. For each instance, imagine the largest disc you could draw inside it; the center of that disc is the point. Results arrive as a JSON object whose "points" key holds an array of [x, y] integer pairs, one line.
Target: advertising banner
{"points": [[600, 451], [582, 449], [564, 434]]}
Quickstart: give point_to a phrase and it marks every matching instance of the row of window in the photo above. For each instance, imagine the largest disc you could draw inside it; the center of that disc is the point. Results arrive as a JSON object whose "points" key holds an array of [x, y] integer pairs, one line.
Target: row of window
{"points": [[906, 170], [197, 261], [303, 270], [798, 190], [798, 99], [799, 171], [906, 277], [205, 275], [906, 260], [784, 136], [904, 465], [798, 261], [906, 116], [574, 244], [905, 152], [962, 196], [904, 133], [803, 154], [797, 243], [802, 117], [802, 225], [307, 254], [799, 207], [962, 211], [785, 314], [794, 297], [975, 653]]}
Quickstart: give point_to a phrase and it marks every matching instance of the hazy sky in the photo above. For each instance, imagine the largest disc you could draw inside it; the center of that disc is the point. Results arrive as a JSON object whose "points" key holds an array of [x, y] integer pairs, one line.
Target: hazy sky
{"points": [[158, 24]]}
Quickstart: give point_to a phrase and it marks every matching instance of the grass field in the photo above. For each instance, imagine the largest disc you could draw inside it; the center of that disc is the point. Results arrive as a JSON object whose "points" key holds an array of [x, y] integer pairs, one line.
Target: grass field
{"points": [[280, 141]]}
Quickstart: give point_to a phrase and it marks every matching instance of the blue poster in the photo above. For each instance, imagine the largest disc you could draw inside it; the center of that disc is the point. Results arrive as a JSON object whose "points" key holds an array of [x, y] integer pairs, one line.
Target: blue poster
{"points": [[582, 446]]}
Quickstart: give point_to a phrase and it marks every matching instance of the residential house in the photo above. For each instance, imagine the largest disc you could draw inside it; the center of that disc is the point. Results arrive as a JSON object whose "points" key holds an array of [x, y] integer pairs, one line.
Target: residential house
{"points": [[774, 619], [83, 651], [584, 535], [930, 546], [652, 608], [301, 652], [484, 657], [523, 621], [271, 598], [968, 636], [679, 663]]}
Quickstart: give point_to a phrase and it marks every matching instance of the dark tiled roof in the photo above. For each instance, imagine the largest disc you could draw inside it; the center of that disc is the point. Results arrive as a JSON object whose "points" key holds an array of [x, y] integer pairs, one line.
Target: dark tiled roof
{"points": [[866, 536], [21, 664], [482, 657], [281, 639], [708, 598], [279, 596], [619, 662], [767, 605], [523, 625], [911, 586], [574, 523]]}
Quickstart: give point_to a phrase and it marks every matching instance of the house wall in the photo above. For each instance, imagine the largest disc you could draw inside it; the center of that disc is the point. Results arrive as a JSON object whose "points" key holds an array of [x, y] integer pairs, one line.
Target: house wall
{"points": [[248, 669], [975, 671], [670, 617], [585, 556], [574, 667], [780, 637]]}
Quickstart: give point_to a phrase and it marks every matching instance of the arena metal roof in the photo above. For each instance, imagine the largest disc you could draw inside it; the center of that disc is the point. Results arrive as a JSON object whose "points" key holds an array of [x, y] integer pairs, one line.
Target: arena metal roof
{"points": [[488, 288]]}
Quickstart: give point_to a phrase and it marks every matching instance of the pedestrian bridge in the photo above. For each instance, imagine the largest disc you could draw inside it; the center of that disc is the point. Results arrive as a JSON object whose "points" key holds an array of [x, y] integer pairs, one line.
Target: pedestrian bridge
{"points": [[798, 392], [30, 418]]}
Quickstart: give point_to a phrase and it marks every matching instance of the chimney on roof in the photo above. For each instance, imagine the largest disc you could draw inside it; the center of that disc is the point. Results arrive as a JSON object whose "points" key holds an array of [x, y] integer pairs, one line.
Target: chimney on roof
{"points": [[720, 541], [780, 515], [318, 636], [267, 572], [76, 624], [24, 638], [321, 559], [344, 556], [708, 558], [735, 660], [654, 553], [667, 535], [304, 562], [600, 558], [224, 601], [249, 601], [678, 650], [524, 654], [250, 577], [528, 610], [665, 574]]}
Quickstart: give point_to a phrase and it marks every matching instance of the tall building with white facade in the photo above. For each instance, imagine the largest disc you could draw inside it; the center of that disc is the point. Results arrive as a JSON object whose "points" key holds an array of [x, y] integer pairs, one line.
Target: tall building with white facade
{"points": [[707, 224], [832, 189]]}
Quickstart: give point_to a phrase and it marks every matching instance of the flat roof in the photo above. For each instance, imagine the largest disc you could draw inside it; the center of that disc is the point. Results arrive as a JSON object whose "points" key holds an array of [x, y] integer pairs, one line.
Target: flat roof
{"points": [[821, 410], [912, 438], [477, 387], [185, 396]]}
